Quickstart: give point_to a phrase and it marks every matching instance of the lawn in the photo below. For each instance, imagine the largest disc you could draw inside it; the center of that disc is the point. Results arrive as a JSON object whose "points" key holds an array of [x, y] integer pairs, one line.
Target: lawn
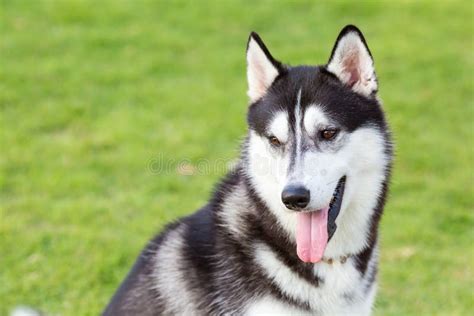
{"points": [[96, 96]]}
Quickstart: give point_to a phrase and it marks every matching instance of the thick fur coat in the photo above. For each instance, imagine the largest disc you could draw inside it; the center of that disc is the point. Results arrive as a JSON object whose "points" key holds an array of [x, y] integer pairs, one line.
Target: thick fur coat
{"points": [[319, 130]]}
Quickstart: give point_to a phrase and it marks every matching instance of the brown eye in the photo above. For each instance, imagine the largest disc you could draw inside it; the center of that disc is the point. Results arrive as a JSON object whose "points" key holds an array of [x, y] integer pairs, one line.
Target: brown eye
{"points": [[274, 141], [328, 134]]}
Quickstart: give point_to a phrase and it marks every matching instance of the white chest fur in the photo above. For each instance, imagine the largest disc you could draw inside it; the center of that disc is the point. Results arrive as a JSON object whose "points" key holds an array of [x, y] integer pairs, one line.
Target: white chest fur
{"points": [[341, 292]]}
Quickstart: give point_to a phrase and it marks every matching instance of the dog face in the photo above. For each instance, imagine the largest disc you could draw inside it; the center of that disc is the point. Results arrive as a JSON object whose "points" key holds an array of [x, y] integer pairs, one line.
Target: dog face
{"points": [[317, 142]]}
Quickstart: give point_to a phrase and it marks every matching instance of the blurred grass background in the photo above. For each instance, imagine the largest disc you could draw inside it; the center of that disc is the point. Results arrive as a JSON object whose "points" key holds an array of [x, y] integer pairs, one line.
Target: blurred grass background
{"points": [[92, 92]]}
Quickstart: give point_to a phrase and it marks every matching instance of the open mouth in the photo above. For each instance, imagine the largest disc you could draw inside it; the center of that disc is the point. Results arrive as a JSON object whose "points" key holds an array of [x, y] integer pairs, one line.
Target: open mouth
{"points": [[314, 229], [335, 206]]}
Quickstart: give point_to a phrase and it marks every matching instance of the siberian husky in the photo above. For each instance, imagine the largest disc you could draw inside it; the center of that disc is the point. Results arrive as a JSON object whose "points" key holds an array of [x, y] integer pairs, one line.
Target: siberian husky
{"points": [[293, 228]]}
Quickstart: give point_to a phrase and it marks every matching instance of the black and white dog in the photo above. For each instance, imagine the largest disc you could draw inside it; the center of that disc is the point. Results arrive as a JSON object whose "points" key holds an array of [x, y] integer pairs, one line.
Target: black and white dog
{"points": [[293, 228]]}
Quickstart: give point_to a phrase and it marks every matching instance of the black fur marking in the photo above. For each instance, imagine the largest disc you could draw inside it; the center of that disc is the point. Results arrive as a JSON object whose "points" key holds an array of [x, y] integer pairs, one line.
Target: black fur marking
{"points": [[349, 297], [371, 277], [279, 295], [198, 250], [347, 109], [137, 295], [363, 258]]}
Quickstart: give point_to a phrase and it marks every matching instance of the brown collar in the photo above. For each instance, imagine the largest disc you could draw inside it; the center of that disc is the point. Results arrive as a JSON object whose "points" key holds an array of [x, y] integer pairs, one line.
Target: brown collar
{"points": [[342, 260]]}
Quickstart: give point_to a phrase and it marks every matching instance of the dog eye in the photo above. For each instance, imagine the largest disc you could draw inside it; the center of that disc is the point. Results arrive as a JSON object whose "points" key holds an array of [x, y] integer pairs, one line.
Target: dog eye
{"points": [[329, 134], [274, 141]]}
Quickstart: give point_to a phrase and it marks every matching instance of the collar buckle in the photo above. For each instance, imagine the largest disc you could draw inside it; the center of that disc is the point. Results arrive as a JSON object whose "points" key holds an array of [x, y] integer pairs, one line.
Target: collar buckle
{"points": [[342, 260]]}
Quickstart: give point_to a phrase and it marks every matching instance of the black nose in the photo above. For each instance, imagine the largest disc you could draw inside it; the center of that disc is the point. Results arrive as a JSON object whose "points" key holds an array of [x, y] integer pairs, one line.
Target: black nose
{"points": [[295, 197]]}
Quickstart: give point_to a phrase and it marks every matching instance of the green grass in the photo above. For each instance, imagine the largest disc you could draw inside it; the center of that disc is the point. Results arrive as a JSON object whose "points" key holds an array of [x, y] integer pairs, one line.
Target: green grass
{"points": [[92, 92]]}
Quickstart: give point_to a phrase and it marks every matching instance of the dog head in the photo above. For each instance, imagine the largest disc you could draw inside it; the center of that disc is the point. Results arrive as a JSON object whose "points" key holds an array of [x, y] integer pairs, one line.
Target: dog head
{"points": [[318, 150]]}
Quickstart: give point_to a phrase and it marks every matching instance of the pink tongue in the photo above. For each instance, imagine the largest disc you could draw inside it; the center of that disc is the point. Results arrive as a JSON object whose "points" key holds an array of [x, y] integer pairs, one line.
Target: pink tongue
{"points": [[312, 235]]}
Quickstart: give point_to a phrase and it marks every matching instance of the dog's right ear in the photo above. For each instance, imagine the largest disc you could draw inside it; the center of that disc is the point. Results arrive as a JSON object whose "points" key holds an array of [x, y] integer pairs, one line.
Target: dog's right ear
{"points": [[262, 68], [352, 62]]}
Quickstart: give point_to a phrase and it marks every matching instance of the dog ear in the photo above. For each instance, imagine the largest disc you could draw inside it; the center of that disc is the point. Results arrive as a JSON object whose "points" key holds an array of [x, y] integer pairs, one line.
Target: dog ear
{"points": [[262, 68], [351, 61]]}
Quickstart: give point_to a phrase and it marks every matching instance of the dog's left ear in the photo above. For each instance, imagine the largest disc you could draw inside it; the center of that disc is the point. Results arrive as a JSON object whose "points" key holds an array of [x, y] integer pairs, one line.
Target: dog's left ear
{"points": [[351, 61], [262, 68]]}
